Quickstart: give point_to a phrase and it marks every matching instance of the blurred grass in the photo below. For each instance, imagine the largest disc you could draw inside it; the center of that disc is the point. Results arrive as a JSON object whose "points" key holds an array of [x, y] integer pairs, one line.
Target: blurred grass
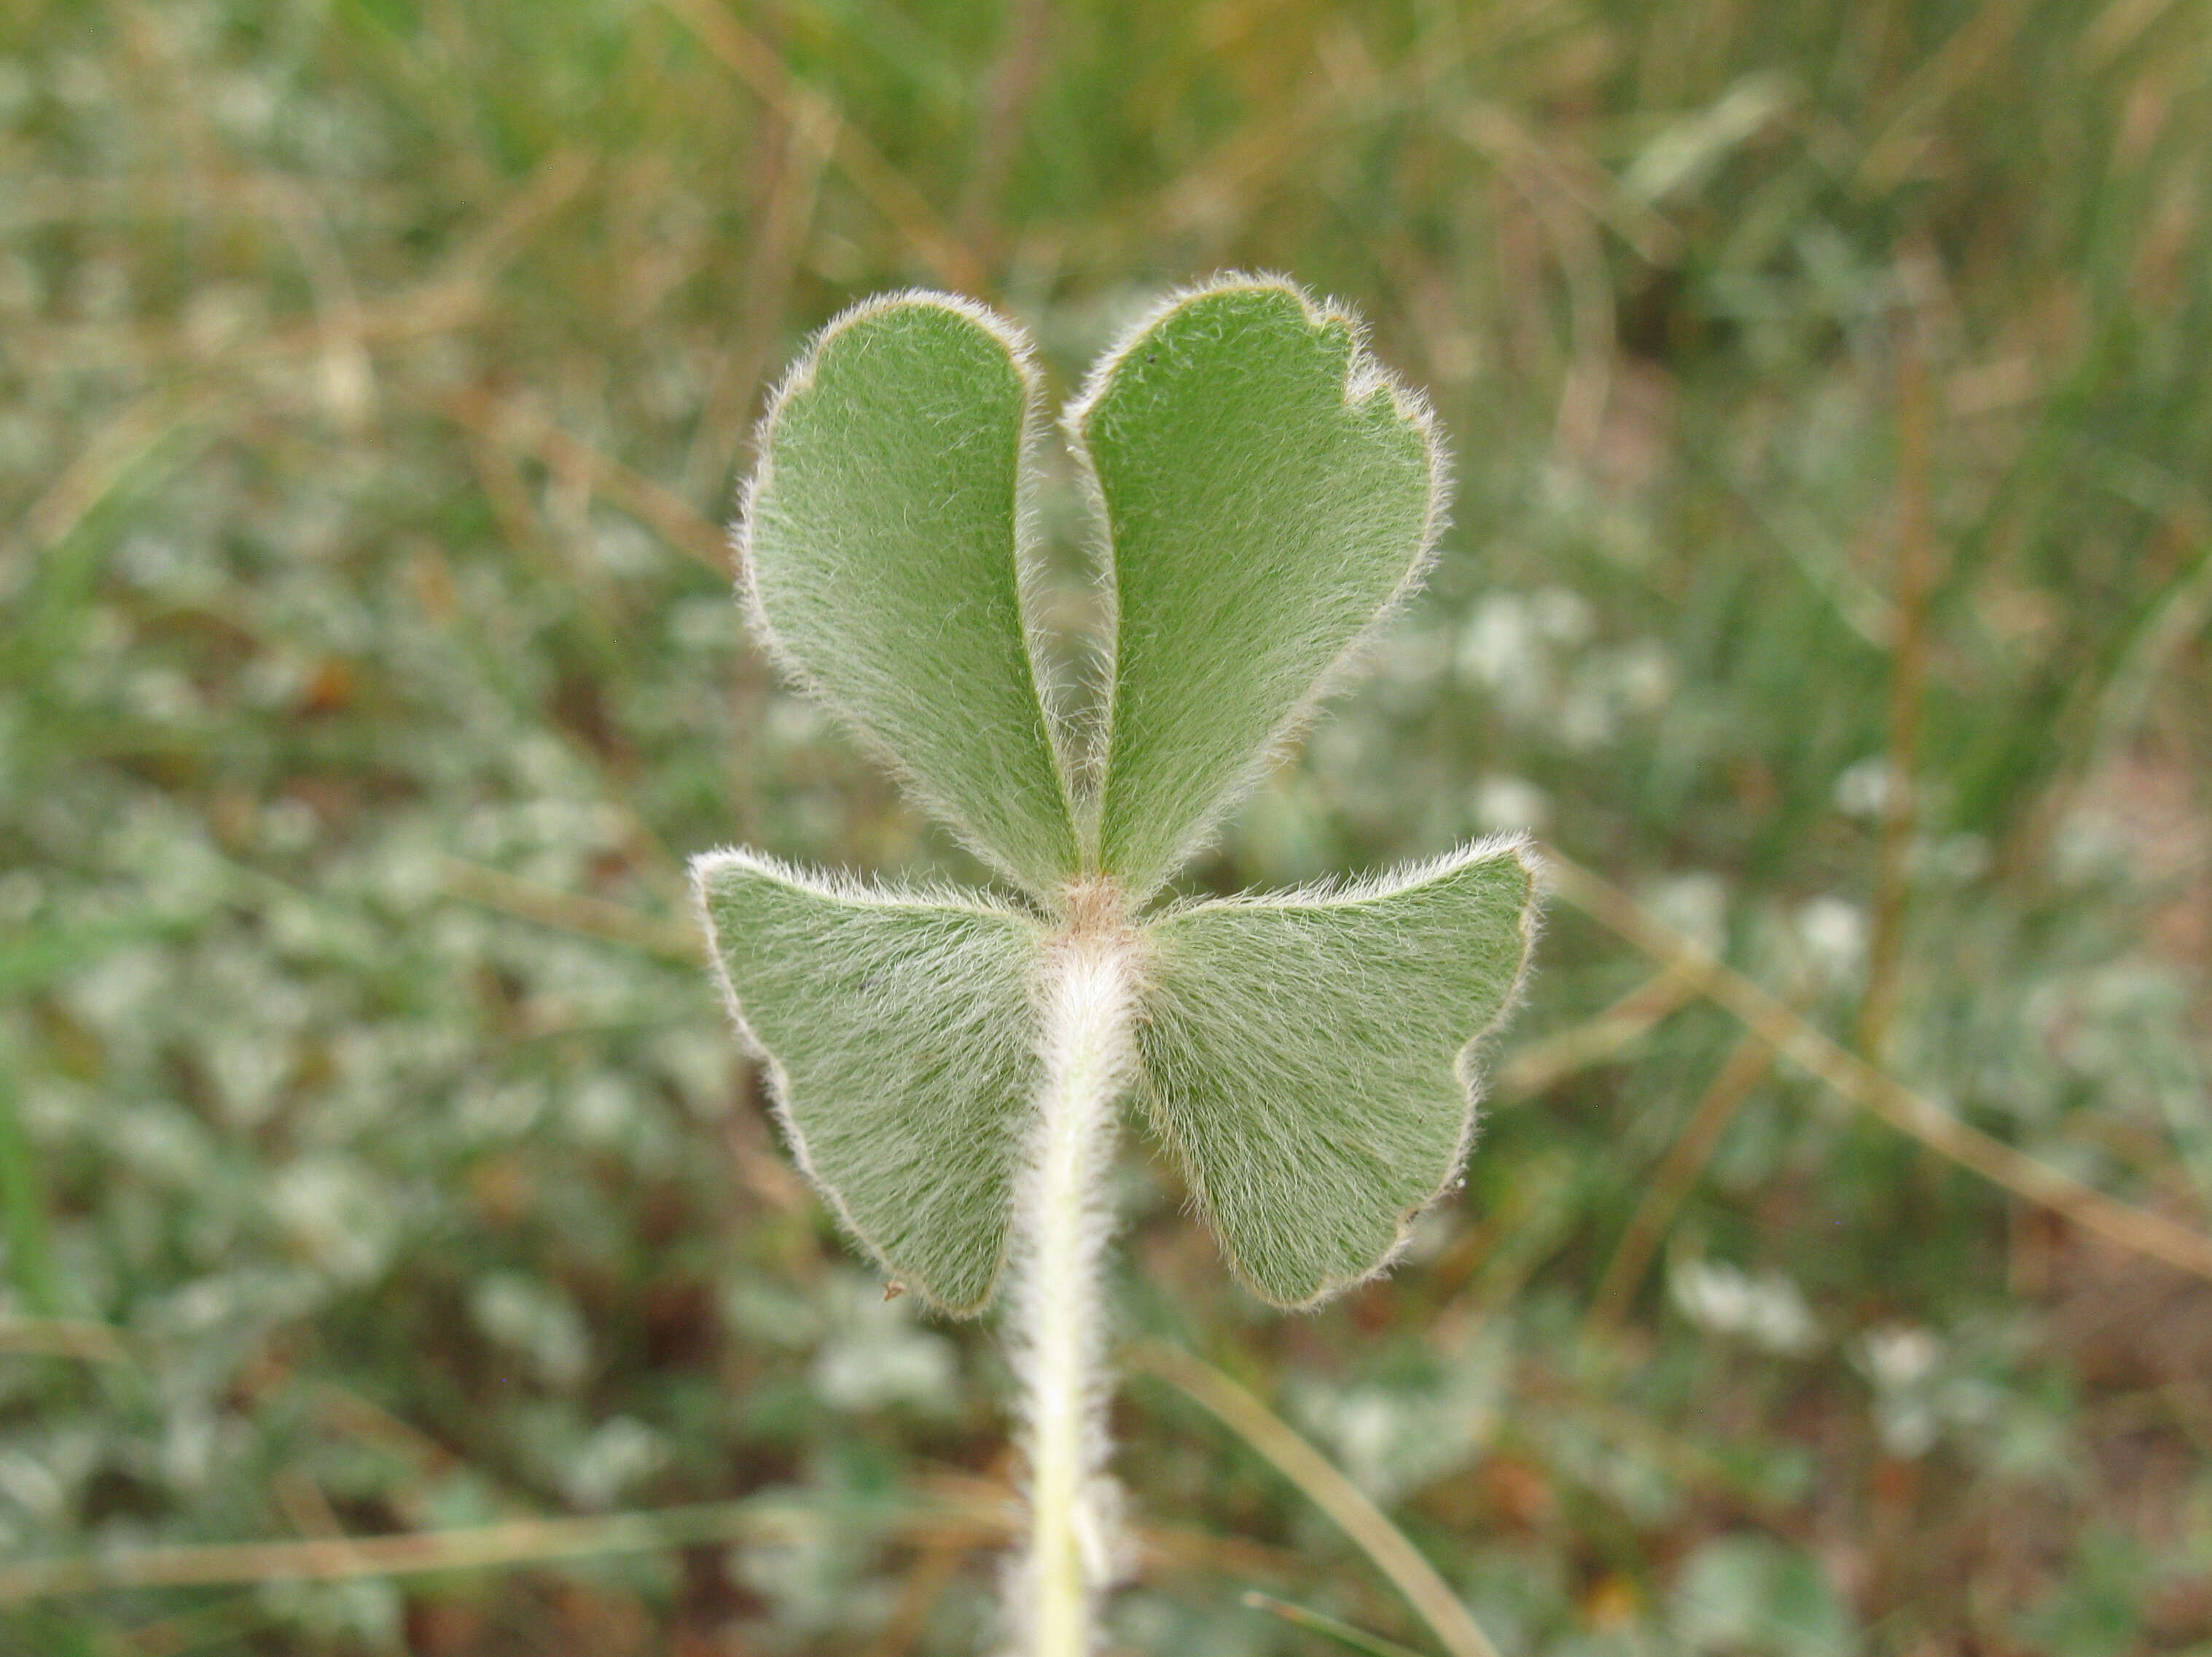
{"points": [[1833, 570]]}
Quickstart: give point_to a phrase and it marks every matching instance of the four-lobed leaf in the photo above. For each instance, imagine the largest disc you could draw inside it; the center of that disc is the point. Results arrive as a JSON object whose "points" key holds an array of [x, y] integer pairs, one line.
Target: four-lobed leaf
{"points": [[1270, 495]]}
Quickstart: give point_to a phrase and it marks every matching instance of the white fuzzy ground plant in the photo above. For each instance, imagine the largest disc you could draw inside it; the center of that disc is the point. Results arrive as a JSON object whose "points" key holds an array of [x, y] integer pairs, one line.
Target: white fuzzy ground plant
{"points": [[948, 1064]]}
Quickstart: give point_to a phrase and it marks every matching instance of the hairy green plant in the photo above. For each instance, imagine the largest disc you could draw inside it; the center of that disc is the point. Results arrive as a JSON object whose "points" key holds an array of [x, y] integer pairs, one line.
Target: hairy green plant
{"points": [[947, 1064]]}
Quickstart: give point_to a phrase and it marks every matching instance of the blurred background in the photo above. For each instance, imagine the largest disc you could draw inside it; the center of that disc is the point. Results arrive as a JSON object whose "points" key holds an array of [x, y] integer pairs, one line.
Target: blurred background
{"points": [[1830, 577]]}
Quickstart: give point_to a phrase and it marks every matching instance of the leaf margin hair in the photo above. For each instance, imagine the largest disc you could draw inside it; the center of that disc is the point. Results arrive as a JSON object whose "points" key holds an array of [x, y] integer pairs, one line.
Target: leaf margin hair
{"points": [[1366, 376], [1467, 1066], [838, 886], [1060, 739]]}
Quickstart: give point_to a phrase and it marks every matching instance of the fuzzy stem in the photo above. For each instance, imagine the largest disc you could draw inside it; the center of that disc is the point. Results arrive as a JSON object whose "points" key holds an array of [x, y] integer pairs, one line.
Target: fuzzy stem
{"points": [[1062, 1221]]}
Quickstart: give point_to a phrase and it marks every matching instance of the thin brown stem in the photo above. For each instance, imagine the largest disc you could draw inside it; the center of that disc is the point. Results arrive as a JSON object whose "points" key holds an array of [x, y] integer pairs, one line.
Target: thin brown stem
{"points": [[1914, 579], [792, 193], [894, 195], [1326, 1486], [590, 918], [940, 1561], [658, 508], [64, 1337], [1741, 1072], [1010, 89], [1874, 1091], [483, 1547], [1542, 1065]]}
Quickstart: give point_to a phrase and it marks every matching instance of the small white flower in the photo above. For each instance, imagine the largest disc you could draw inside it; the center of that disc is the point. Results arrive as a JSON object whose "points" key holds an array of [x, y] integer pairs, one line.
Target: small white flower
{"points": [[1866, 789], [1833, 934], [1898, 1356], [1769, 1310]]}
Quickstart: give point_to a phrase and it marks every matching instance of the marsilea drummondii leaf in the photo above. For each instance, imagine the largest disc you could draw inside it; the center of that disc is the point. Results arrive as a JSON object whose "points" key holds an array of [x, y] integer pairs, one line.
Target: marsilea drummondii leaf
{"points": [[880, 549], [1270, 495], [897, 1030]]}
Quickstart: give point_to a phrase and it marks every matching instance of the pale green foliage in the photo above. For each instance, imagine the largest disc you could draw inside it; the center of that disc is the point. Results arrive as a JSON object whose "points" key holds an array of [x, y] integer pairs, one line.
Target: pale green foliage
{"points": [[1270, 496], [897, 1031], [1308, 1057], [881, 544]]}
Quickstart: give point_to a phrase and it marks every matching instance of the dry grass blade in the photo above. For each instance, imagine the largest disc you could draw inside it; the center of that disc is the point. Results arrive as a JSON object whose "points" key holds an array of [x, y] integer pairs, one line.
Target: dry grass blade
{"points": [[1165, 1548], [181, 192], [483, 1547], [450, 300], [593, 917], [1214, 194], [1746, 1066], [1903, 133], [442, 304], [652, 505], [793, 194], [62, 1337], [550, 187], [1871, 1089], [104, 465], [1025, 54], [1495, 133], [1542, 1065], [1326, 1486], [1915, 582], [893, 195], [932, 1574], [1161, 1548]]}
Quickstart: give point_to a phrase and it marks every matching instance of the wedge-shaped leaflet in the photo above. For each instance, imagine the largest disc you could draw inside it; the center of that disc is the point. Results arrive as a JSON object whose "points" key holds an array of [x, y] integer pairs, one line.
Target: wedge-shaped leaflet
{"points": [[1270, 493], [881, 541], [900, 1036], [1308, 1058]]}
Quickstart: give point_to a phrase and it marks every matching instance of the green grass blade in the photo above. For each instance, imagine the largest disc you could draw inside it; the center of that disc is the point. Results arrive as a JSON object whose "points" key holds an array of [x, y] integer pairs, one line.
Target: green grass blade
{"points": [[899, 1035], [882, 541], [1308, 1057], [1271, 494], [23, 1202], [1314, 1622]]}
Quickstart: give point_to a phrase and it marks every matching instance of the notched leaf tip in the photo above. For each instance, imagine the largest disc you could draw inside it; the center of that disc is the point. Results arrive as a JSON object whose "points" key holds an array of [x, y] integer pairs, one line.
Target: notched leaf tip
{"points": [[884, 538]]}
